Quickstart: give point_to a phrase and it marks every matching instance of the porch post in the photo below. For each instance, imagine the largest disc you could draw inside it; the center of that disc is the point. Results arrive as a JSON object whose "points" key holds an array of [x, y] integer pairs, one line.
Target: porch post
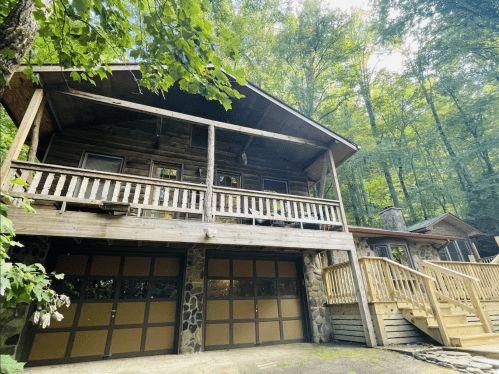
{"points": [[365, 314], [208, 208], [337, 192], [35, 132], [22, 133]]}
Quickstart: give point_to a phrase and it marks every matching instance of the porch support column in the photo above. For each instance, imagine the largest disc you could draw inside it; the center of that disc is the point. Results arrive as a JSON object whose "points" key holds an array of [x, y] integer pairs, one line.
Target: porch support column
{"points": [[322, 193], [35, 132], [337, 192], [365, 314], [22, 133], [208, 200]]}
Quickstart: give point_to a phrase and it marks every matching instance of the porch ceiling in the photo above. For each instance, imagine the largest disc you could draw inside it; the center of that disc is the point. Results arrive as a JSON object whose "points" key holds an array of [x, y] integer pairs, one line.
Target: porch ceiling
{"points": [[258, 110]]}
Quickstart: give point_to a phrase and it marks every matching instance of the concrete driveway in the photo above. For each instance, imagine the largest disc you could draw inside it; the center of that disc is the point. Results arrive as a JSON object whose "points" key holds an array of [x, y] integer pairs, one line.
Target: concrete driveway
{"points": [[303, 358]]}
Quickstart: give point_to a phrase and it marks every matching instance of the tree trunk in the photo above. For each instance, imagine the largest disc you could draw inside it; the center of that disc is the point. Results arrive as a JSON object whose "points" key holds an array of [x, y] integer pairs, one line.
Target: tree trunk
{"points": [[408, 200], [364, 193], [366, 95], [463, 177], [17, 33]]}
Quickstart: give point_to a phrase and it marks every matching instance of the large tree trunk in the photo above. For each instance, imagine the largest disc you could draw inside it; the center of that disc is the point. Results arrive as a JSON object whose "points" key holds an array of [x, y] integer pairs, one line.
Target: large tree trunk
{"points": [[463, 177], [17, 33], [366, 95]]}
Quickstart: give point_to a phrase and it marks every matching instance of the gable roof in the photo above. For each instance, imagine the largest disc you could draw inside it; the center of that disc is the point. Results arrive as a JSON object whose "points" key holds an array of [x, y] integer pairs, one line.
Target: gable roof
{"points": [[375, 232], [451, 219], [258, 110]]}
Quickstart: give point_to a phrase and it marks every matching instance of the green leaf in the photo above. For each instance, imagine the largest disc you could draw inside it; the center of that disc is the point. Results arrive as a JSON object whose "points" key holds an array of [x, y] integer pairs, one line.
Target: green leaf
{"points": [[9, 365], [19, 182], [7, 52], [75, 76]]}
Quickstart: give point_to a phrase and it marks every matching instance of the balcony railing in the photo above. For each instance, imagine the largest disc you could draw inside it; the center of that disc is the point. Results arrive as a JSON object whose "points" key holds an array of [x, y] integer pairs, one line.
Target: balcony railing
{"points": [[149, 197]]}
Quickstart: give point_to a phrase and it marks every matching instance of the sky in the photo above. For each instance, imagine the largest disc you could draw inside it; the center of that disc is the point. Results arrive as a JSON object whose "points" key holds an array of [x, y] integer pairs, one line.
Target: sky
{"points": [[392, 62]]}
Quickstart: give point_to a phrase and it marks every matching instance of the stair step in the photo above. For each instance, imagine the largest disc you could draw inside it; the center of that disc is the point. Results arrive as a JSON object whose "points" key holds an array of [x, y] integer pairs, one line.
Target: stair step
{"points": [[473, 340], [457, 318], [465, 329]]}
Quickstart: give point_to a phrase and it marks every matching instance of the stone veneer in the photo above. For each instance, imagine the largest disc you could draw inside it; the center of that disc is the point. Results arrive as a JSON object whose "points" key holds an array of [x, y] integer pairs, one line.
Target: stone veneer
{"points": [[314, 284], [193, 305]]}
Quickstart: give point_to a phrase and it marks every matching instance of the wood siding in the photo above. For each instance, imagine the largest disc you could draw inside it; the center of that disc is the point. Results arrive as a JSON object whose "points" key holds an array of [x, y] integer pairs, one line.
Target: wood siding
{"points": [[134, 141]]}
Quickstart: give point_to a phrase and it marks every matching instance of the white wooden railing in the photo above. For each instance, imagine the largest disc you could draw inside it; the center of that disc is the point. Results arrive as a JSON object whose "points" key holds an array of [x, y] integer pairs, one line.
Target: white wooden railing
{"points": [[489, 260], [76, 186], [257, 205]]}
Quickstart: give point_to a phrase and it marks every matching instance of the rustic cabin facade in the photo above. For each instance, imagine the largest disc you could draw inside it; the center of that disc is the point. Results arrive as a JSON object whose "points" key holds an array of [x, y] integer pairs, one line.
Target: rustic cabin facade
{"points": [[180, 226]]}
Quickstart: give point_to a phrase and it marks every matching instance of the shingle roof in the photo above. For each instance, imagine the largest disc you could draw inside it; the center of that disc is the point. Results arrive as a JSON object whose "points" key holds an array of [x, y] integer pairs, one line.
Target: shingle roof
{"points": [[423, 224]]}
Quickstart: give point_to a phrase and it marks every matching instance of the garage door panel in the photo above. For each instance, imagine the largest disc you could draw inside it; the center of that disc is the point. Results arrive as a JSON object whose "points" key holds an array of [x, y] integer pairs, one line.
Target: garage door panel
{"points": [[118, 303], [89, 343], [259, 298]]}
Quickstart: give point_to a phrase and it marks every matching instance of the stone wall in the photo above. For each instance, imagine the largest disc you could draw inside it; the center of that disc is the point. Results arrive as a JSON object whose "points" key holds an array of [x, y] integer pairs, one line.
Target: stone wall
{"points": [[314, 284], [423, 251], [193, 303]]}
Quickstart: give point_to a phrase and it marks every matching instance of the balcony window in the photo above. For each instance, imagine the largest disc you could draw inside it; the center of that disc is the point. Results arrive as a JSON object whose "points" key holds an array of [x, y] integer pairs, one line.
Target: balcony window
{"points": [[271, 185], [100, 162]]}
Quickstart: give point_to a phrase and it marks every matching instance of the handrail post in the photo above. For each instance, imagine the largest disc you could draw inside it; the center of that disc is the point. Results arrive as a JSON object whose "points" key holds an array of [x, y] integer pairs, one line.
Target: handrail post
{"points": [[477, 305], [432, 298]]}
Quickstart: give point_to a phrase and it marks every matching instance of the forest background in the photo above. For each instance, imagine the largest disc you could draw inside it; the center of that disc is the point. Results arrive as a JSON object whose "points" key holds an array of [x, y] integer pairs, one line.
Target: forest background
{"points": [[429, 131]]}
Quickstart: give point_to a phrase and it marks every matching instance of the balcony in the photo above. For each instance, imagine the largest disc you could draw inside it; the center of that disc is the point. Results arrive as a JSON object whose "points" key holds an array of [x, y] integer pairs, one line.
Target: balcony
{"points": [[143, 197]]}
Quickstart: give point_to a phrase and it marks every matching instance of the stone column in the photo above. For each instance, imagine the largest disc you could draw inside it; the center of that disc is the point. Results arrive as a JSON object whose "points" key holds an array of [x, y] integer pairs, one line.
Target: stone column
{"points": [[193, 303], [314, 284]]}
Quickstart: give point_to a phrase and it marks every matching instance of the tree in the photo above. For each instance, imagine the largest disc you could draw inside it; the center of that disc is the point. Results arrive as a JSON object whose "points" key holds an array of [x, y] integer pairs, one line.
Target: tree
{"points": [[172, 42]]}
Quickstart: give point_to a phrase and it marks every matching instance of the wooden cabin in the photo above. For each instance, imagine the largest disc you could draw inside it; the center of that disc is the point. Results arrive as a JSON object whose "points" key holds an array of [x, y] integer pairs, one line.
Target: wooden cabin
{"points": [[180, 227]]}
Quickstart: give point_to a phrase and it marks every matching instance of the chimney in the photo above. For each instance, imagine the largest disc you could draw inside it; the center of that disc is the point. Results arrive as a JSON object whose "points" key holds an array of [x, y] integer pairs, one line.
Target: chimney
{"points": [[392, 219]]}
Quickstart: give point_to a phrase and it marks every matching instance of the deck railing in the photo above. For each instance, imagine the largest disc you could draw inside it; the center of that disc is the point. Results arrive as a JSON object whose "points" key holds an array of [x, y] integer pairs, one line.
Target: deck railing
{"points": [[151, 197], [274, 207], [458, 289], [489, 260], [487, 273], [385, 280]]}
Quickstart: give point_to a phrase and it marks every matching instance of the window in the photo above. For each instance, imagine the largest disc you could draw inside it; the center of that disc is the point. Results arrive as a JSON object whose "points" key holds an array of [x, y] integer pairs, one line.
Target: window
{"points": [[99, 162], [395, 252], [270, 185], [199, 136], [228, 180], [458, 250], [165, 172]]}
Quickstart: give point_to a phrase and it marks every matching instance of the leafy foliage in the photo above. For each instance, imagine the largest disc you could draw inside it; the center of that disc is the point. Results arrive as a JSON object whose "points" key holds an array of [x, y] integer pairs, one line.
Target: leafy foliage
{"points": [[8, 365], [173, 41]]}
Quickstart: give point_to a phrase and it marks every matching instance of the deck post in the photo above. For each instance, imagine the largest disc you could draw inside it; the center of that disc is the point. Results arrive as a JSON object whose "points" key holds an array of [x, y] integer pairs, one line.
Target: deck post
{"points": [[337, 192], [365, 314], [21, 135], [35, 132], [208, 200]]}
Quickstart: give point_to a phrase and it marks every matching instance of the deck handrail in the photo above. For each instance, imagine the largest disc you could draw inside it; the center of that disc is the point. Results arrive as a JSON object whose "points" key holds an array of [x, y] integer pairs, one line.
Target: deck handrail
{"points": [[457, 289], [486, 273], [489, 260], [65, 185]]}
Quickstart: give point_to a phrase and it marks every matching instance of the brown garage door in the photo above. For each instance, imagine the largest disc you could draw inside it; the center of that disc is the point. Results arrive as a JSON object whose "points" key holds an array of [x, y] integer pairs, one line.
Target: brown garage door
{"points": [[252, 302], [122, 306]]}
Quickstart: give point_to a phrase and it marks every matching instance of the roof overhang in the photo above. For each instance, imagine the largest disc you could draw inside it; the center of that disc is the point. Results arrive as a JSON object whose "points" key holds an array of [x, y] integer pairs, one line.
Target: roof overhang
{"points": [[368, 232], [257, 110], [455, 221]]}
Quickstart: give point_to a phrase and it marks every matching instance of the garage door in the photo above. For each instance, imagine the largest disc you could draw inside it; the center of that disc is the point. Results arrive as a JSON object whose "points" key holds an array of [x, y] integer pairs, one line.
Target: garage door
{"points": [[122, 306], [252, 302]]}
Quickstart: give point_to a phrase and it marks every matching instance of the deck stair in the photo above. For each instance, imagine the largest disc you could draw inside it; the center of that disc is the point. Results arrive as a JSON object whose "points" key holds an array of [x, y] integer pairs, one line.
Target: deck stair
{"points": [[461, 333]]}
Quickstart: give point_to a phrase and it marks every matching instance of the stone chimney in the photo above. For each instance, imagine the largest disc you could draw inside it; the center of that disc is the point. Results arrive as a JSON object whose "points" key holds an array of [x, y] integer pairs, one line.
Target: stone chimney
{"points": [[392, 219]]}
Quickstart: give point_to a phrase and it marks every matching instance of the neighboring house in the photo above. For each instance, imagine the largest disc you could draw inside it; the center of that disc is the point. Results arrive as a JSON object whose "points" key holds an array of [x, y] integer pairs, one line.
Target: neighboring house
{"points": [[448, 224], [180, 227]]}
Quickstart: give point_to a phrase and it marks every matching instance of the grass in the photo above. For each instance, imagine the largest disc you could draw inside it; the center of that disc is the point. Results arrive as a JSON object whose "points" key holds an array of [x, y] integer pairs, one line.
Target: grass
{"points": [[302, 362], [281, 365], [333, 352]]}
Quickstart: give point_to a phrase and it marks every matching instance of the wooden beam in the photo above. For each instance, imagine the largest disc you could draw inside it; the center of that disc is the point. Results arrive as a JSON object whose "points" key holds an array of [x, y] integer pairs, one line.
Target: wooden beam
{"points": [[35, 132], [365, 314], [140, 108], [210, 170], [22, 133], [103, 226], [322, 193], [337, 192], [49, 102]]}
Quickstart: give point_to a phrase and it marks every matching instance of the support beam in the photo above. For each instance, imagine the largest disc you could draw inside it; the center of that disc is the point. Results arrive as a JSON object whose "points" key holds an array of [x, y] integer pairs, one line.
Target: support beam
{"points": [[365, 314], [134, 107], [21, 135], [35, 132], [337, 192], [210, 169], [322, 193], [475, 251]]}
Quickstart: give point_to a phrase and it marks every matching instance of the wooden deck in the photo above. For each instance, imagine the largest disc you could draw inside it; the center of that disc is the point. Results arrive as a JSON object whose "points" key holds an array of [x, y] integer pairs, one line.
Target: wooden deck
{"points": [[140, 195], [453, 303]]}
